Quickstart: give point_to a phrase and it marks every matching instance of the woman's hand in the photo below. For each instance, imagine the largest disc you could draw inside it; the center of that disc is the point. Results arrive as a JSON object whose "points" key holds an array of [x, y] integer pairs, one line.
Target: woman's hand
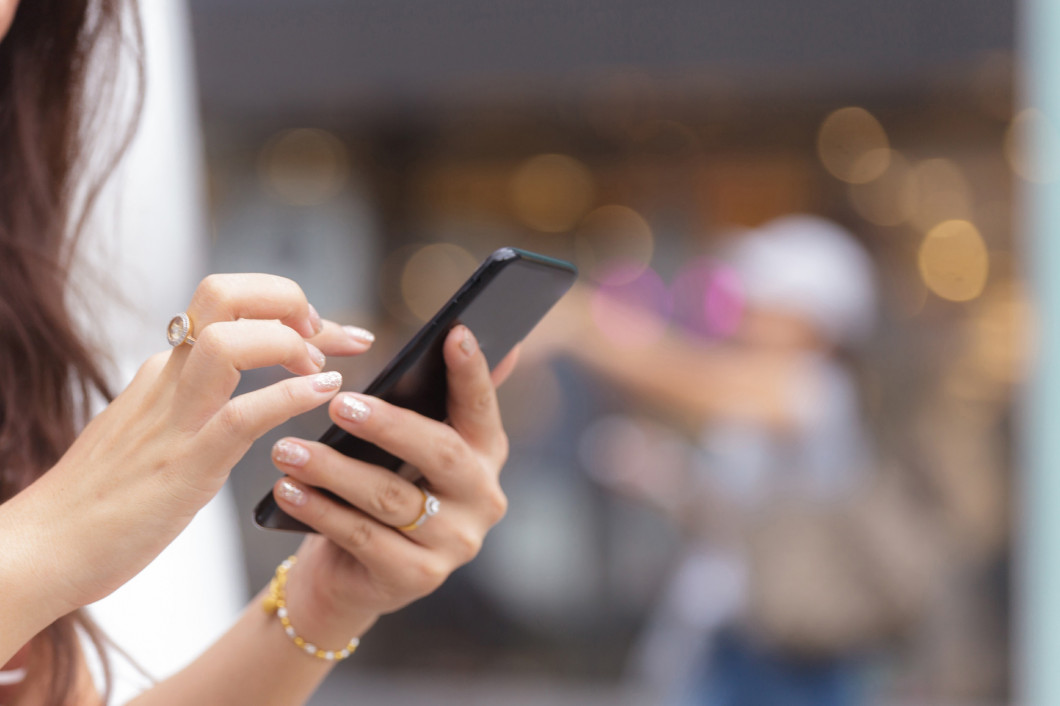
{"points": [[141, 470], [360, 566]]}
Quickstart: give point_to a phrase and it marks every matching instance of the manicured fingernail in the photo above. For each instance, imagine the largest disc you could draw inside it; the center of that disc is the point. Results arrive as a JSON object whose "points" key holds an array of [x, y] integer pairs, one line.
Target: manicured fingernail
{"points": [[316, 355], [467, 343], [314, 319], [292, 493], [327, 382], [354, 409], [361, 335], [291, 453]]}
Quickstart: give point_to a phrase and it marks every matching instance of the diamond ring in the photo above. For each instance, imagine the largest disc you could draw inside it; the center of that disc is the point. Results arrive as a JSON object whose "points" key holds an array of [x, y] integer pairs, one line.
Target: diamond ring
{"points": [[431, 505], [179, 330]]}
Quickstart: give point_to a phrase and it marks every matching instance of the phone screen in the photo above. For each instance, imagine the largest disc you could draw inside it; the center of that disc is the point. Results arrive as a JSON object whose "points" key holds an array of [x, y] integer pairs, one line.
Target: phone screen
{"points": [[501, 302]]}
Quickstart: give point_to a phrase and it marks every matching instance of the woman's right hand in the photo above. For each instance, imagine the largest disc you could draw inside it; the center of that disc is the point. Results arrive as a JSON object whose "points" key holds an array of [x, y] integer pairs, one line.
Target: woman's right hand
{"points": [[162, 449]]}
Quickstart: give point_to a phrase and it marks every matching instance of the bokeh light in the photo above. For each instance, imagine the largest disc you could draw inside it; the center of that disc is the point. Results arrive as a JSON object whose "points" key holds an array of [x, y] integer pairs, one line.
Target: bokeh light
{"points": [[954, 262], [613, 235], [1031, 126], [881, 201], [632, 306], [551, 192], [936, 190], [852, 145], [304, 166], [724, 303], [708, 299], [432, 274], [1003, 333]]}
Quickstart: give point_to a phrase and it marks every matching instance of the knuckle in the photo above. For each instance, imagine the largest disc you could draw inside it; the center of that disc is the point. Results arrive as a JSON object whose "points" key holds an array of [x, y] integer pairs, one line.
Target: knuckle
{"points": [[286, 286], [213, 289], [482, 403], [429, 575], [469, 544], [388, 497], [233, 420], [502, 448], [449, 449], [288, 290], [496, 503], [211, 343], [359, 535], [289, 397]]}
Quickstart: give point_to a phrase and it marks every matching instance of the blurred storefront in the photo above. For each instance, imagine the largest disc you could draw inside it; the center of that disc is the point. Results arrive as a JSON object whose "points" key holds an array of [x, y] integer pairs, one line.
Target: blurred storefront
{"points": [[376, 151]]}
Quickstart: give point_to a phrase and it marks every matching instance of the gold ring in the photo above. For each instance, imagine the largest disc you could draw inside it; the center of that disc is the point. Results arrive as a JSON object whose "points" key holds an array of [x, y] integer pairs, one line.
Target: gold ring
{"points": [[431, 505], [179, 330]]}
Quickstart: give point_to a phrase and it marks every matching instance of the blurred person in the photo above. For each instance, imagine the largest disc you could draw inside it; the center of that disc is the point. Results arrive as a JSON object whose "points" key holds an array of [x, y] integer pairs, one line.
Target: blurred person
{"points": [[85, 509], [778, 422], [957, 428]]}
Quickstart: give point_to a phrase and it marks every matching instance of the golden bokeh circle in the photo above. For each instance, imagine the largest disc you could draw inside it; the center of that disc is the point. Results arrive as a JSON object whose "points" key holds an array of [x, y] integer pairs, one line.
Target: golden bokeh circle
{"points": [[953, 261], [852, 145], [1030, 136], [432, 274], [304, 166], [551, 192], [936, 190], [881, 200], [613, 235]]}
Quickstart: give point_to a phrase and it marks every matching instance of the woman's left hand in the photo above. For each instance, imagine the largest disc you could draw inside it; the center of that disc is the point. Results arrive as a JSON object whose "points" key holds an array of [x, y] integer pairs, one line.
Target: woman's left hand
{"points": [[361, 566]]}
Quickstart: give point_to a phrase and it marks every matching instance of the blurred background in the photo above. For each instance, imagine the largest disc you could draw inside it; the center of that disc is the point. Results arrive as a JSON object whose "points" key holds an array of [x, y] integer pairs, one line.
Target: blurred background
{"points": [[856, 415]]}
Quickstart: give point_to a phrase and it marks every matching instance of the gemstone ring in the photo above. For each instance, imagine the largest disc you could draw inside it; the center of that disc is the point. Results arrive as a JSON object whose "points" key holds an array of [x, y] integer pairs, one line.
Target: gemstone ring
{"points": [[179, 331], [431, 506]]}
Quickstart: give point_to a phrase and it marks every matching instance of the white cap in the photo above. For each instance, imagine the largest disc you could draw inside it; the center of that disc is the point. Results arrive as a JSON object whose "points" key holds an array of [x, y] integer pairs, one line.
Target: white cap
{"points": [[811, 267]]}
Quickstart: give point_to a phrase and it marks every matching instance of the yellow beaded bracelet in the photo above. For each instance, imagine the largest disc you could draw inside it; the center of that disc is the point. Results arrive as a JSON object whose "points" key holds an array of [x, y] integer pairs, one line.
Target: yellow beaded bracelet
{"points": [[276, 603]]}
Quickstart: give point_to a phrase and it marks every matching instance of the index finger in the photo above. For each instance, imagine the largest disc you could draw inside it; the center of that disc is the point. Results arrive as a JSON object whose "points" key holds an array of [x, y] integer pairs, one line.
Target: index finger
{"points": [[472, 404], [230, 297]]}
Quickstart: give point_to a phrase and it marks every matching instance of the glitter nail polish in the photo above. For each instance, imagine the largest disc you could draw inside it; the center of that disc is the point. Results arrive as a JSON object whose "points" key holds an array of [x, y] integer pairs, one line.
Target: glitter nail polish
{"points": [[354, 409]]}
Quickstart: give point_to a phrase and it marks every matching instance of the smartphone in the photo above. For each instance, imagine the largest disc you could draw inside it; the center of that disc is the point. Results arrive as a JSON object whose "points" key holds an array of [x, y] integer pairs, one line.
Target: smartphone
{"points": [[501, 302]]}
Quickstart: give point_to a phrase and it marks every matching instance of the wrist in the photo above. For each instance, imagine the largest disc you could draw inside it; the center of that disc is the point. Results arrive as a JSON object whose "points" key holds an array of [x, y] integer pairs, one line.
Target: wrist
{"points": [[313, 618], [31, 577]]}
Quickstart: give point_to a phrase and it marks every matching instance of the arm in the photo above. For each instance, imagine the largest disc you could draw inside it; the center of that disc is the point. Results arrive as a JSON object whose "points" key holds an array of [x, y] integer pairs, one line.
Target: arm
{"points": [[32, 600], [253, 663], [689, 378]]}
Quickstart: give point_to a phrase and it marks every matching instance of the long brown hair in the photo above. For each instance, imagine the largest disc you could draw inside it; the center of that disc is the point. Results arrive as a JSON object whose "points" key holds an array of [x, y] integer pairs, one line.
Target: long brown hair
{"points": [[48, 375]]}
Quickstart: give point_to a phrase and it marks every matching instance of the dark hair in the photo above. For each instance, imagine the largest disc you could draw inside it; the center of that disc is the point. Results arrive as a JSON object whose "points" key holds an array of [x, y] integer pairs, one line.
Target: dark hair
{"points": [[48, 375]]}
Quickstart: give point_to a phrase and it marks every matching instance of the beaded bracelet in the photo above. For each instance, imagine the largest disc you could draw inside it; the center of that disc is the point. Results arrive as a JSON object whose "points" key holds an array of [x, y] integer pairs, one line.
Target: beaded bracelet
{"points": [[276, 602]]}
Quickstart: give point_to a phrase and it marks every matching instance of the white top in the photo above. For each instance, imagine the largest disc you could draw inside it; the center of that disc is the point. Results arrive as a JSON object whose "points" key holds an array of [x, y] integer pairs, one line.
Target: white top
{"points": [[147, 237]]}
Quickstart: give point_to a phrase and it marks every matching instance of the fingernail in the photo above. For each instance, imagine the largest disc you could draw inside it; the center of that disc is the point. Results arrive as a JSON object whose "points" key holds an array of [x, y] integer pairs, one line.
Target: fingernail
{"points": [[290, 453], [314, 319], [292, 493], [316, 355], [354, 409], [361, 335], [327, 382], [467, 343]]}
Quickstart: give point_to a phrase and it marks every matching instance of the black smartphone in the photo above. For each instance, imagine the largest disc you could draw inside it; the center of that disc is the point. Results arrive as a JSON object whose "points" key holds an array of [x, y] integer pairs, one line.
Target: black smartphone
{"points": [[501, 302]]}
